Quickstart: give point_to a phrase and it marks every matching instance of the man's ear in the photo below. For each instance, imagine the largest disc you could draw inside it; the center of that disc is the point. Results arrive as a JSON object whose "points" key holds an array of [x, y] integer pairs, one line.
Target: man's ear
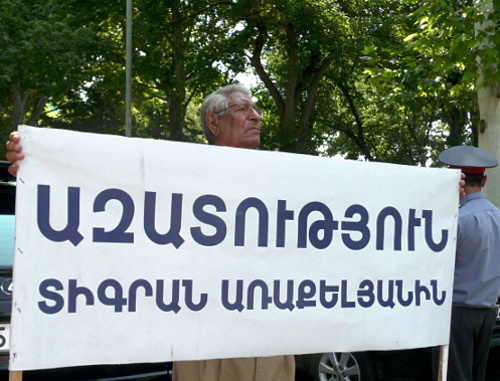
{"points": [[483, 181], [211, 122]]}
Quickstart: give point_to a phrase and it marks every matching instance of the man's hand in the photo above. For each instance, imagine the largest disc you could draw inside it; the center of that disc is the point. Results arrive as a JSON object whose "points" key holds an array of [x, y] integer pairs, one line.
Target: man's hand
{"points": [[14, 152], [462, 185]]}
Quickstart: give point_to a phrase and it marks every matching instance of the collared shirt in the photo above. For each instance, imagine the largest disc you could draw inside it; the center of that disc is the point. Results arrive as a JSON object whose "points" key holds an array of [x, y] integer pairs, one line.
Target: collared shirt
{"points": [[477, 265]]}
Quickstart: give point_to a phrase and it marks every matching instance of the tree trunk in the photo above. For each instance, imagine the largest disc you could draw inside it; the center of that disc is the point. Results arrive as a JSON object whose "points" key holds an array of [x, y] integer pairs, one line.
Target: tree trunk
{"points": [[27, 107], [177, 94], [489, 115], [489, 137]]}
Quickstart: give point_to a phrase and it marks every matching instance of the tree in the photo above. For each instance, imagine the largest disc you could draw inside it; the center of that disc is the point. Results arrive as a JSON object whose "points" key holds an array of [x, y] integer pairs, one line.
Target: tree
{"points": [[45, 51], [343, 79], [291, 45], [489, 92], [463, 34], [96, 102], [178, 46], [424, 102], [354, 78]]}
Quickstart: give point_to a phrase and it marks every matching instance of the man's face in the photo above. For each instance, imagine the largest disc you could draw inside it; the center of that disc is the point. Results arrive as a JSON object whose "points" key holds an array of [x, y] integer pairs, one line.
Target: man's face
{"points": [[237, 128]]}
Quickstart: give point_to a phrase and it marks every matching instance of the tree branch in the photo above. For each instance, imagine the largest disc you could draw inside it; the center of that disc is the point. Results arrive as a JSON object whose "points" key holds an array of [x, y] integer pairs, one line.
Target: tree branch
{"points": [[255, 60]]}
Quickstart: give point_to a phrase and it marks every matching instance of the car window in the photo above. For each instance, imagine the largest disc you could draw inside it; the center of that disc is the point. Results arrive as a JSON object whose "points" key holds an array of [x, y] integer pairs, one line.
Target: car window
{"points": [[7, 234]]}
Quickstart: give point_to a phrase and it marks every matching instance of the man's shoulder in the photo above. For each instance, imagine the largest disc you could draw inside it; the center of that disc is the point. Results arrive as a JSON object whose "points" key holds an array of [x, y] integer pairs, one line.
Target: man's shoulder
{"points": [[478, 204]]}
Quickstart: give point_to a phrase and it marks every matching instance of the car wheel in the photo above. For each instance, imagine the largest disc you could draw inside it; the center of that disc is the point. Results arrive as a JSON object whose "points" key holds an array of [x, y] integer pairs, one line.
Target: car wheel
{"points": [[336, 366], [346, 366]]}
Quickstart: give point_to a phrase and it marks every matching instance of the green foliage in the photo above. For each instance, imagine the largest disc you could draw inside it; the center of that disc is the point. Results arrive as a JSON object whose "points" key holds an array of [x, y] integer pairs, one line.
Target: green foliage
{"points": [[291, 45], [460, 35], [46, 50], [391, 81], [422, 78], [177, 47]]}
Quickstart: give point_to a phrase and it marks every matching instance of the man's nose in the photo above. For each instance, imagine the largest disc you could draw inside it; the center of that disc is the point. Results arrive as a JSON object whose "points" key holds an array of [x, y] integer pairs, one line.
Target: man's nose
{"points": [[254, 114]]}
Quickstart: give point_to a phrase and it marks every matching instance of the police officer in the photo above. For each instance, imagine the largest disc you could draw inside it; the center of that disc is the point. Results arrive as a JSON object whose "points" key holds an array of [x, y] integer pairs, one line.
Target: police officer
{"points": [[477, 267]]}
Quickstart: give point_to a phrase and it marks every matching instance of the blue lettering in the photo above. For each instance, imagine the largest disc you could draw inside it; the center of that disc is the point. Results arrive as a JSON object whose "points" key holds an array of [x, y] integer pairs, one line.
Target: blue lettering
{"points": [[326, 226], [437, 300], [282, 217], [437, 247], [419, 289], [172, 236], [118, 234], [238, 303], [51, 295], [132, 293], [358, 226], [389, 302], [393, 212], [70, 232], [307, 290], [288, 304], [404, 302], [366, 295], [160, 290], [209, 219], [412, 223], [266, 299], [239, 234], [74, 291], [188, 285], [323, 289], [117, 300], [343, 290]]}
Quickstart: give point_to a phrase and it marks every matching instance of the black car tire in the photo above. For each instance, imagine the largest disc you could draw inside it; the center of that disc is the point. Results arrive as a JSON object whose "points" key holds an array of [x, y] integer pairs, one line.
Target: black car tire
{"points": [[338, 366]]}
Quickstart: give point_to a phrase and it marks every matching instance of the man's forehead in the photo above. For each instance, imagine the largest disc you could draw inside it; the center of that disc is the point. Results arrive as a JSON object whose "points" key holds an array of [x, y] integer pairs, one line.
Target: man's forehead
{"points": [[238, 97]]}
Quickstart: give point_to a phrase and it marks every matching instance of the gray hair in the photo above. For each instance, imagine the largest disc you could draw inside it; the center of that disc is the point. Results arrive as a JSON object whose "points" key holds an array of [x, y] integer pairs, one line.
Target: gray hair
{"points": [[218, 101]]}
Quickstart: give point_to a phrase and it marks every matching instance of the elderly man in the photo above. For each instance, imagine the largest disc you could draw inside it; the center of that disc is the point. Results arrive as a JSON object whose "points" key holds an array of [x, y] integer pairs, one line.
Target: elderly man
{"points": [[229, 118]]}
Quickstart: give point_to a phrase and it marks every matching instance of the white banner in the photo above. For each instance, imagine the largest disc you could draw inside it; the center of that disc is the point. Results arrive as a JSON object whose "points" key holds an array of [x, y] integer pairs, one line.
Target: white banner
{"points": [[133, 250]]}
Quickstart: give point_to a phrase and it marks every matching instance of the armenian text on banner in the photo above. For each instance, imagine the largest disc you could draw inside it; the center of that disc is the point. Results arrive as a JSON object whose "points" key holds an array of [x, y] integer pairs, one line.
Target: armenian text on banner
{"points": [[133, 250]]}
